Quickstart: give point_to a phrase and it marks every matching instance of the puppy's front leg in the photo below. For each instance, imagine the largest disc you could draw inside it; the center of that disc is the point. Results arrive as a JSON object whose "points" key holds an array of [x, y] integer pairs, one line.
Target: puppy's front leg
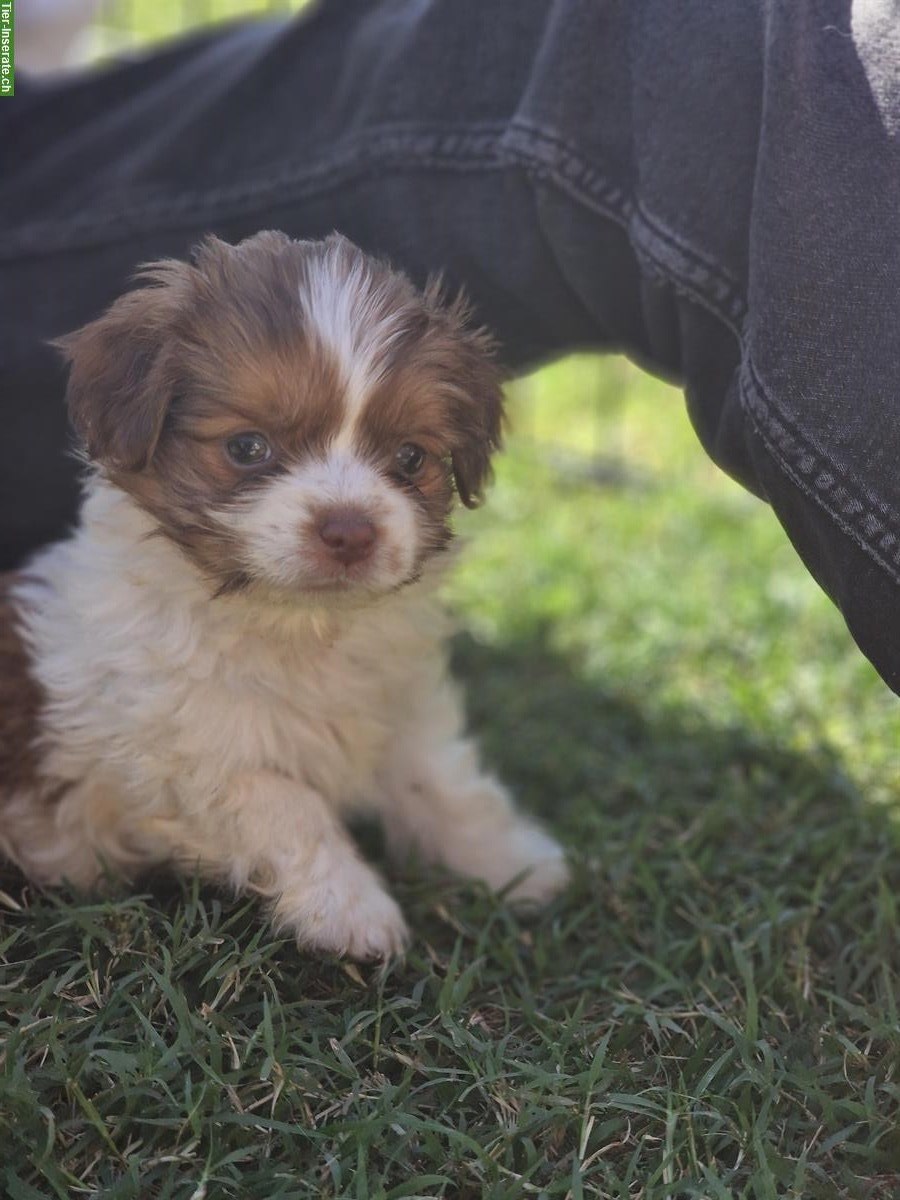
{"points": [[436, 799], [281, 839]]}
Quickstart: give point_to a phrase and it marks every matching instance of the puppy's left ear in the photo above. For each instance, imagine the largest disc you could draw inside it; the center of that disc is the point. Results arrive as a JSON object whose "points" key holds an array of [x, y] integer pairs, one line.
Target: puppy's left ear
{"points": [[477, 388], [120, 385]]}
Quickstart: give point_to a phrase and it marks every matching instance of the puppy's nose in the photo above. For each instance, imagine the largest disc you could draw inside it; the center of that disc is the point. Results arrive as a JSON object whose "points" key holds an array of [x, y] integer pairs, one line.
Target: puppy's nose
{"points": [[349, 536]]}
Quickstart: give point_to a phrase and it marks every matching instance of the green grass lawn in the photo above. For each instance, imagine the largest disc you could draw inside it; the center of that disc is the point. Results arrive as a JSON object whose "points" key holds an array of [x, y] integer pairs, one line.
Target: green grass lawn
{"points": [[711, 1011]]}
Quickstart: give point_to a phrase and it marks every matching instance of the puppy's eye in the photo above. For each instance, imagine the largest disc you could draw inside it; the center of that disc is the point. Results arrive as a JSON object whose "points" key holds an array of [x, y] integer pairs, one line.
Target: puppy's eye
{"points": [[410, 459], [248, 449]]}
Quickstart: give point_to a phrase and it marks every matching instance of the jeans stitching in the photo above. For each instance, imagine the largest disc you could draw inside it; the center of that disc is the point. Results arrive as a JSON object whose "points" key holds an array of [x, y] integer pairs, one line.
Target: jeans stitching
{"points": [[679, 268], [811, 457], [662, 230], [546, 155], [858, 515]]}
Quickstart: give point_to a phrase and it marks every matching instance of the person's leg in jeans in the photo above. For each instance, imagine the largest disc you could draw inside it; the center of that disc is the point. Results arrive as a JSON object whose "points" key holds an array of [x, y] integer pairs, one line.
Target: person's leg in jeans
{"points": [[714, 189]]}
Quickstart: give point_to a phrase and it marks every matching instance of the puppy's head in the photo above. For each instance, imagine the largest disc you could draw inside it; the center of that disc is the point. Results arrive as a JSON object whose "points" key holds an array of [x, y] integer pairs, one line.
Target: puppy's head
{"points": [[295, 415]]}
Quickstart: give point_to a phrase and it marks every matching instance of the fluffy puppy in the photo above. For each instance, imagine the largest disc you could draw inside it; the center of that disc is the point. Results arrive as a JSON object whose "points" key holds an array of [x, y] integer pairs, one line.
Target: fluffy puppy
{"points": [[241, 644]]}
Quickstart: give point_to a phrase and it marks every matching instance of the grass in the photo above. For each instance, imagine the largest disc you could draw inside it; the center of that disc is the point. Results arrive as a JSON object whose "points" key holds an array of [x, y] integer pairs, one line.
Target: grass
{"points": [[711, 1011], [123, 25]]}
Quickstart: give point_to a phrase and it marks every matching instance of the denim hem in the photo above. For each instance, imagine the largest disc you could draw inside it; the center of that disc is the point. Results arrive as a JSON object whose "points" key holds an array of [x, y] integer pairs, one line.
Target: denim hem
{"points": [[684, 267], [862, 516]]}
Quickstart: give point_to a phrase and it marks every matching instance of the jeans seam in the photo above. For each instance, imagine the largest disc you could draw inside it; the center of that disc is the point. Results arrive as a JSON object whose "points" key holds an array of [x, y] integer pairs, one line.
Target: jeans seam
{"points": [[793, 430], [722, 292], [670, 268], [662, 230], [547, 155], [814, 473]]}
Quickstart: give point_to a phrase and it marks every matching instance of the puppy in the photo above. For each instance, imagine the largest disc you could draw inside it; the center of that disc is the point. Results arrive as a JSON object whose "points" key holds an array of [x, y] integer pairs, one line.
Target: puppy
{"points": [[241, 645]]}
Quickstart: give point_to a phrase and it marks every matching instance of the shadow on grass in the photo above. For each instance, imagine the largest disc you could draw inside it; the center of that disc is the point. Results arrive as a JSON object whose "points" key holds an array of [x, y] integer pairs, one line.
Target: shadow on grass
{"points": [[563, 739], [681, 825]]}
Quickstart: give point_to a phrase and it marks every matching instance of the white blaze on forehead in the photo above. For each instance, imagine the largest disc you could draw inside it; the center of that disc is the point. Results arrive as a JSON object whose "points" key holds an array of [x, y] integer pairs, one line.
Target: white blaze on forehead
{"points": [[357, 320]]}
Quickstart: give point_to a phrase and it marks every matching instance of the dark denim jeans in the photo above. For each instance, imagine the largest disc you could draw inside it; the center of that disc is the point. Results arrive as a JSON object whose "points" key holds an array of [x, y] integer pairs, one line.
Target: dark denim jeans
{"points": [[712, 187]]}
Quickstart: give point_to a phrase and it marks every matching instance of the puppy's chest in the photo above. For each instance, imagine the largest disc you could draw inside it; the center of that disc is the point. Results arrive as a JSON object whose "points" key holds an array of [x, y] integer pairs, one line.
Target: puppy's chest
{"points": [[323, 714]]}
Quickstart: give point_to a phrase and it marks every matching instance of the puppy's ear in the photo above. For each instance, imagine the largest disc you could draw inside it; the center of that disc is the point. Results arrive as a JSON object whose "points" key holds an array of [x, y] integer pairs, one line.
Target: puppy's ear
{"points": [[120, 374], [477, 406]]}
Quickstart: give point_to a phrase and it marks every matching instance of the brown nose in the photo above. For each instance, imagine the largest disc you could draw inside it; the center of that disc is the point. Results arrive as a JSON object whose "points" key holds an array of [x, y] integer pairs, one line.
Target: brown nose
{"points": [[349, 536]]}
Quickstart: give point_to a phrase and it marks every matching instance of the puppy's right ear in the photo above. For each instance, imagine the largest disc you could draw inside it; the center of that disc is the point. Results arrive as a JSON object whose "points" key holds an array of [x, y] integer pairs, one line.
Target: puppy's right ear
{"points": [[121, 381]]}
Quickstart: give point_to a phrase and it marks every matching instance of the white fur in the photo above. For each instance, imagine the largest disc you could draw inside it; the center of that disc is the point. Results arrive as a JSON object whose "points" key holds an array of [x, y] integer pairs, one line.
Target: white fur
{"points": [[235, 732], [341, 310]]}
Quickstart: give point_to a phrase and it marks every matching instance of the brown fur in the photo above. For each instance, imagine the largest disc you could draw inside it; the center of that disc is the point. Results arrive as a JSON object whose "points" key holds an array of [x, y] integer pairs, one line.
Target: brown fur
{"points": [[20, 699], [206, 350]]}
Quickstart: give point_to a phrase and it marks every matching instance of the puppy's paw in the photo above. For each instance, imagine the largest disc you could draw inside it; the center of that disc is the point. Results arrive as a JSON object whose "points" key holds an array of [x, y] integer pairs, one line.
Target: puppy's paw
{"points": [[534, 860], [351, 914], [373, 929]]}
